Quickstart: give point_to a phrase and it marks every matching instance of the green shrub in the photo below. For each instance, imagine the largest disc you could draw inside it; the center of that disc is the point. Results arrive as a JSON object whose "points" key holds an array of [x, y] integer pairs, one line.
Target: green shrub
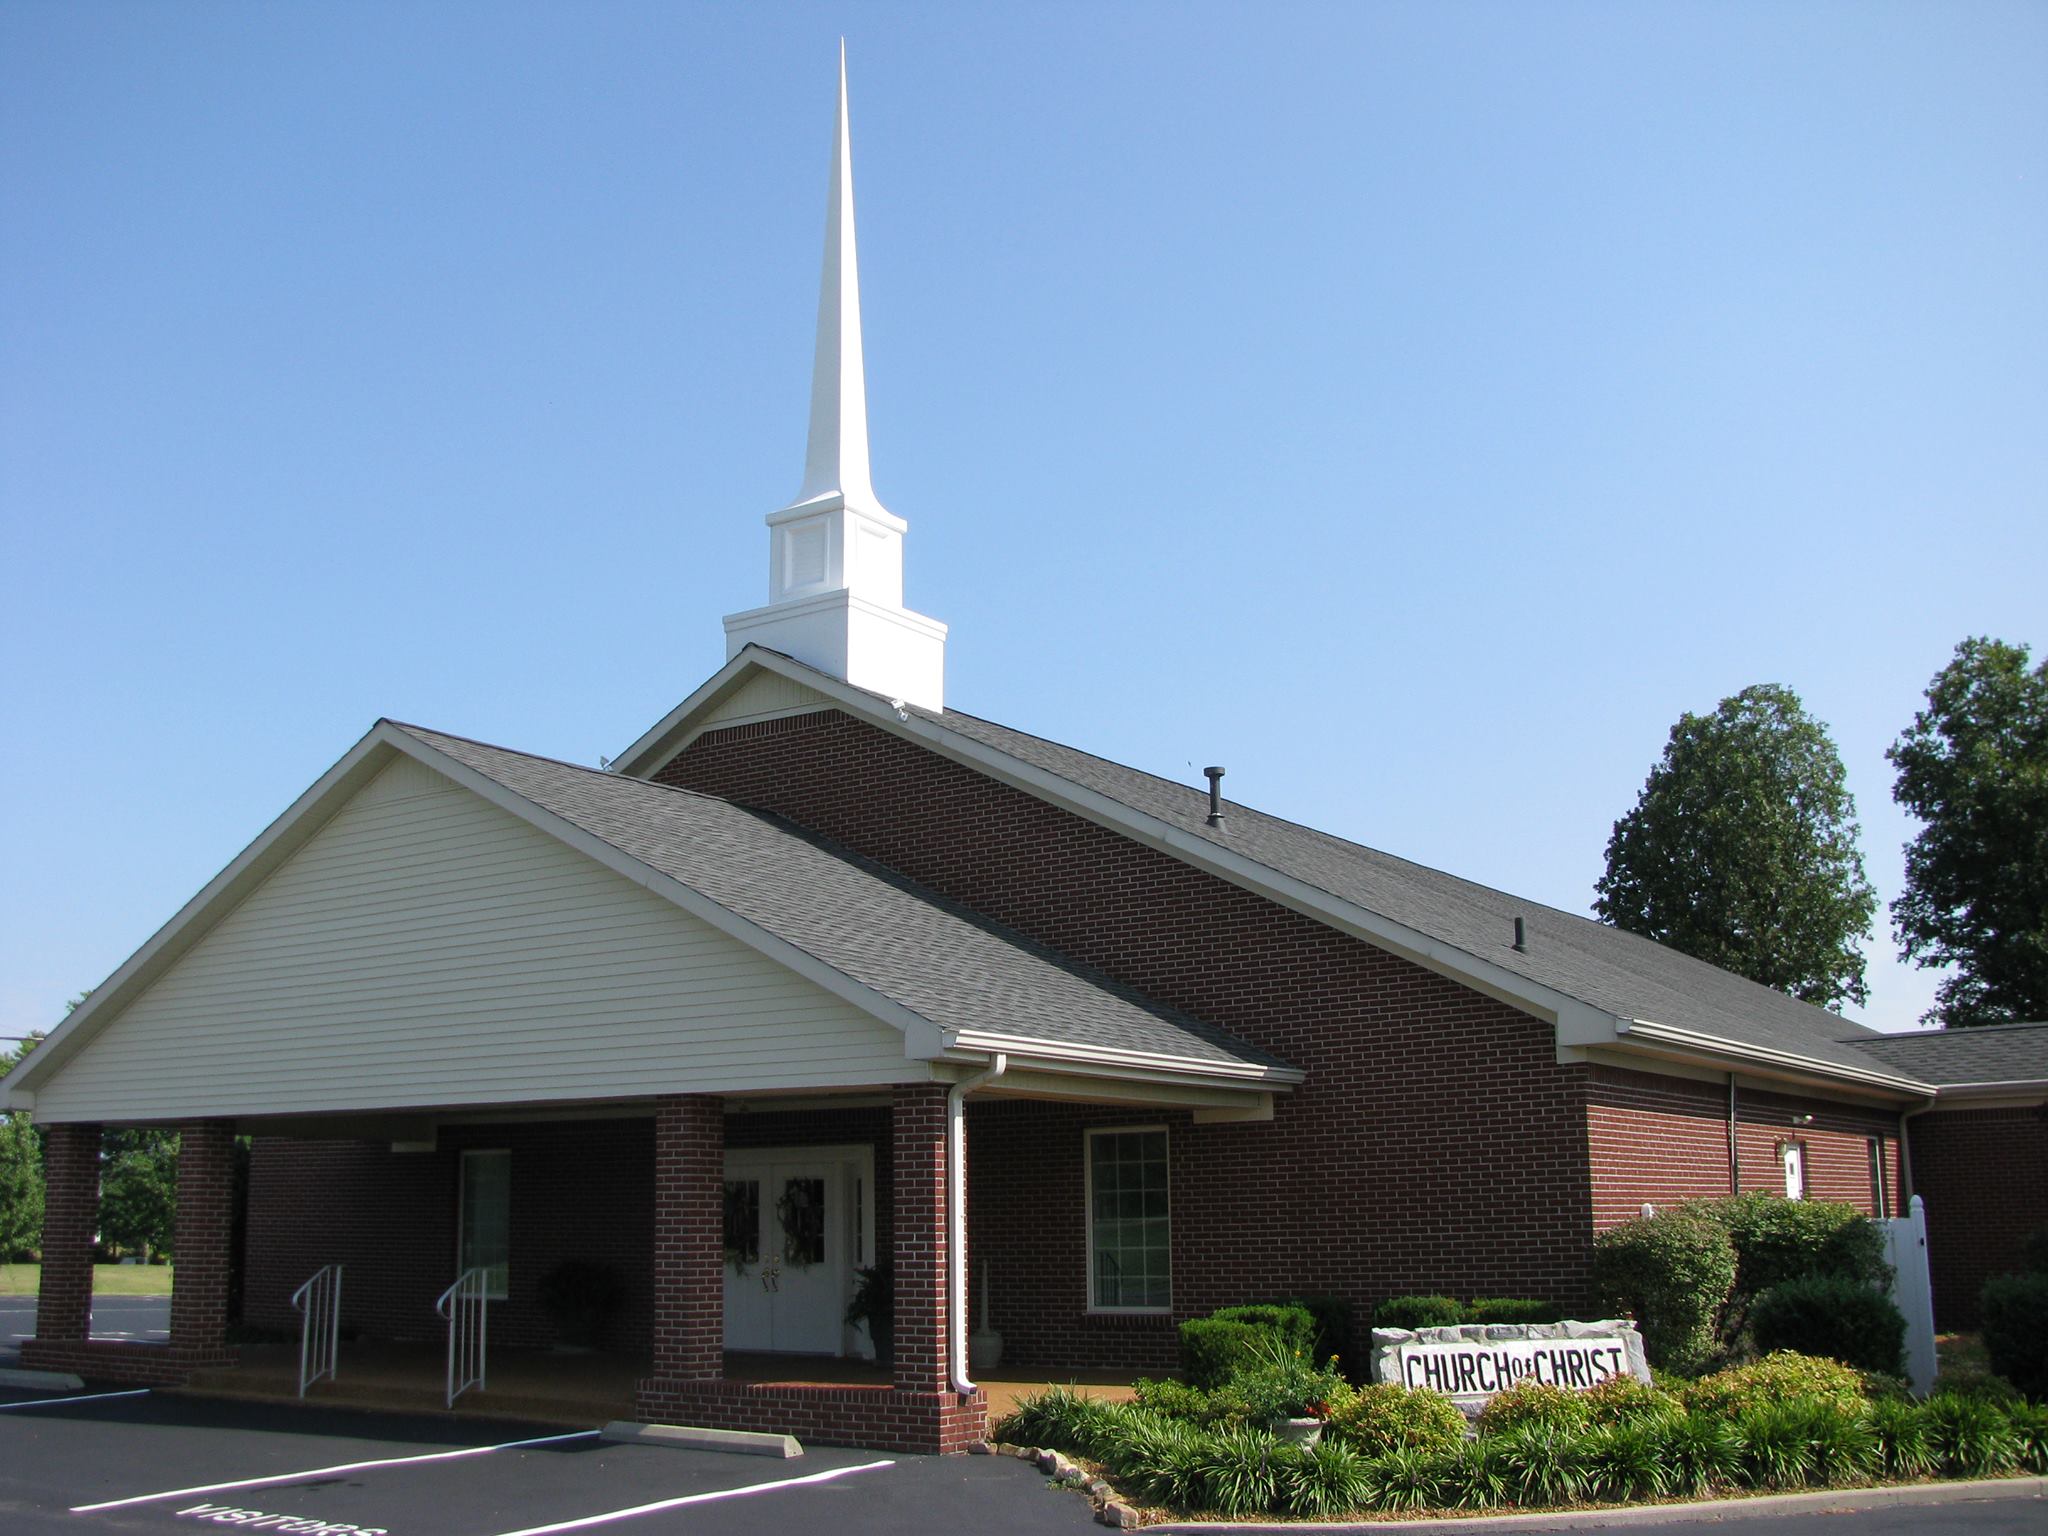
{"points": [[1161, 1461], [1297, 1325], [1835, 1318], [1530, 1401], [1512, 1309], [1219, 1407], [1213, 1350], [2034, 1251], [1843, 1441], [1624, 1400], [1418, 1312], [1671, 1272], [2014, 1310], [1971, 1436], [1777, 1240], [1386, 1416], [1773, 1379], [1905, 1441], [1063, 1420]]}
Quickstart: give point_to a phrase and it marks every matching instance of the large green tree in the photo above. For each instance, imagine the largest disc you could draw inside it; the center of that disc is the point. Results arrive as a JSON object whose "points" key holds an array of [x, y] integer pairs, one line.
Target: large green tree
{"points": [[1973, 767], [21, 1171], [1742, 850]]}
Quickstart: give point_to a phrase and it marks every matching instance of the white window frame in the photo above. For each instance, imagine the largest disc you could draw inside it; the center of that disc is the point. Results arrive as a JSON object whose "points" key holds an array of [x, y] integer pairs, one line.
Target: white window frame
{"points": [[495, 1292], [1088, 1215]]}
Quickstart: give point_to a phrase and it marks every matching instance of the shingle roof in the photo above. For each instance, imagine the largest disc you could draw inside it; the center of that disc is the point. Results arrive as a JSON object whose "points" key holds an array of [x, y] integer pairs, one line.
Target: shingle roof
{"points": [[1619, 973], [1993, 1053], [944, 963]]}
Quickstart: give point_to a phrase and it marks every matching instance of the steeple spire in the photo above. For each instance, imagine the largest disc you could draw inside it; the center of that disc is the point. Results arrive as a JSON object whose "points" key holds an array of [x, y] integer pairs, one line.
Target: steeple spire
{"points": [[836, 458], [835, 554]]}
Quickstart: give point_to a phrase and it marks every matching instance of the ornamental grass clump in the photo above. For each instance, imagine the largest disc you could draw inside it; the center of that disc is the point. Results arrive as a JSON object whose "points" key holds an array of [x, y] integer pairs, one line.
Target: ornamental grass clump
{"points": [[1404, 1481], [1324, 1482], [1530, 1401], [1702, 1453], [1239, 1470], [1544, 1464], [1621, 1462], [1844, 1443], [1473, 1475], [1905, 1438], [2029, 1422], [1062, 1419], [1971, 1436], [1386, 1416], [1775, 1450]]}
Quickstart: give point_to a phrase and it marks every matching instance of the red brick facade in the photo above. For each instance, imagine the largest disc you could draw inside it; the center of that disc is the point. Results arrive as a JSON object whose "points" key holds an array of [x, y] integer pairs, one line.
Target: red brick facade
{"points": [[1984, 1176], [1658, 1140]]}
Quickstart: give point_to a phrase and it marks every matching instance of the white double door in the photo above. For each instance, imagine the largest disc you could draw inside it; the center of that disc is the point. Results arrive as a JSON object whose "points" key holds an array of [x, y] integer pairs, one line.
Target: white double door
{"points": [[798, 1220]]}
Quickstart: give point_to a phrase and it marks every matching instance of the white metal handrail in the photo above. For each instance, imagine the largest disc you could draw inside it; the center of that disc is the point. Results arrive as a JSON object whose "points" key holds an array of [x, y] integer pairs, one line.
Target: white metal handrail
{"points": [[319, 1306], [466, 1305]]}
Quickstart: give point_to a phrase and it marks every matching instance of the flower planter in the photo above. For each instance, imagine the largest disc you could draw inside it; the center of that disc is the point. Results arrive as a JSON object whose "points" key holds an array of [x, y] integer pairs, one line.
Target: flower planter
{"points": [[1301, 1432]]}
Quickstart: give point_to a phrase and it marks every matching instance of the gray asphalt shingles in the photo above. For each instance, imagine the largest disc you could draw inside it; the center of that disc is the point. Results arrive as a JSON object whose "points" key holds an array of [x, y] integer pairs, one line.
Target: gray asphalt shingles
{"points": [[940, 961], [1995, 1053]]}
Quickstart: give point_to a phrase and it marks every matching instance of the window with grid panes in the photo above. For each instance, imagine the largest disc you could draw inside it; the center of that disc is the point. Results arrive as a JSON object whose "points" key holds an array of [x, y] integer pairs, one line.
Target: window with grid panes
{"points": [[1129, 1232]]}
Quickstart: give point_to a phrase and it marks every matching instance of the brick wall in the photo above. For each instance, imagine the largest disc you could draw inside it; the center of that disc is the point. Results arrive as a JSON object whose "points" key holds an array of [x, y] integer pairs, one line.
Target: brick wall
{"points": [[1436, 1143], [1983, 1174], [580, 1190], [1665, 1139]]}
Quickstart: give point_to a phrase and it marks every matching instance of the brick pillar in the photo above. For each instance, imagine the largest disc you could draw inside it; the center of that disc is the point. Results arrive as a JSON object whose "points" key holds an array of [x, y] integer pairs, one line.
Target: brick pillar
{"points": [[689, 1238], [71, 1219], [203, 1233], [918, 1122]]}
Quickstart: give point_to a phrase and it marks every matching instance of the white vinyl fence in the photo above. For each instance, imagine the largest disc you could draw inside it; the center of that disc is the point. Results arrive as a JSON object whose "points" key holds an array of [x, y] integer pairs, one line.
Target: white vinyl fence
{"points": [[1905, 1249]]}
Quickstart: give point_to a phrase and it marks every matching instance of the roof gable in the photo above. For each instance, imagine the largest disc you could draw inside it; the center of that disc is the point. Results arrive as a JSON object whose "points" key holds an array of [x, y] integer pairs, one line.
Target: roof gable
{"points": [[1597, 983]]}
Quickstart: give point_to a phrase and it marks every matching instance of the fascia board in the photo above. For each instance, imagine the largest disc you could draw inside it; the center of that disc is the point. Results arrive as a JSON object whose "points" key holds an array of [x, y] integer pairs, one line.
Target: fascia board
{"points": [[1720, 1047], [923, 1038], [1298, 895], [220, 895], [647, 754], [2019, 1089]]}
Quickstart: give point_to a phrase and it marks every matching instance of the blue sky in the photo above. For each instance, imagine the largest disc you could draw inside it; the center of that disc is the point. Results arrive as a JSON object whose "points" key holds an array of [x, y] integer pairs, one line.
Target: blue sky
{"points": [[1413, 407]]}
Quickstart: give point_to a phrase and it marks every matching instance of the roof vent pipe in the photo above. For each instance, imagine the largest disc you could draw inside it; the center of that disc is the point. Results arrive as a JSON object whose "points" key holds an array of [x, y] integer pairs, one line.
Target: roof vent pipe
{"points": [[1215, 776], [1521, 945]]}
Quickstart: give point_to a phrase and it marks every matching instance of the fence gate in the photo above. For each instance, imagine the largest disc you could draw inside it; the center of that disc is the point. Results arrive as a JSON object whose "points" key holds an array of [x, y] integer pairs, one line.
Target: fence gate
{"points": [[1905, 1249]]}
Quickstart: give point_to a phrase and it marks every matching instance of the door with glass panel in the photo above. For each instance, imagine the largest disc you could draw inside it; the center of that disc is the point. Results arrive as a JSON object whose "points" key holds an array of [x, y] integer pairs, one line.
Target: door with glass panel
{"points": [[796, 1225]]}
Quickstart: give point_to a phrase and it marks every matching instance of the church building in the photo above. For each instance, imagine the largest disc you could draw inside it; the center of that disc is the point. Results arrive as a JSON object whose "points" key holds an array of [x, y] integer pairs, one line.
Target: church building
{"points": [[827, 981]]}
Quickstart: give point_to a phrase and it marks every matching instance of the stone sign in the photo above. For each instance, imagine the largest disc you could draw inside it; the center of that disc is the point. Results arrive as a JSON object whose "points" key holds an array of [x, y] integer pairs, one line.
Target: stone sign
{"points": [[1471, 1362]]}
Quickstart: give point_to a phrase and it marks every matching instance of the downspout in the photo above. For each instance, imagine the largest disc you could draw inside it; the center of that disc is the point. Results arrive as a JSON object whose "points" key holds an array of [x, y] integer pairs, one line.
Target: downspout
{"points": [[1906, 1156], [956, 1215], [1734, 1145]]}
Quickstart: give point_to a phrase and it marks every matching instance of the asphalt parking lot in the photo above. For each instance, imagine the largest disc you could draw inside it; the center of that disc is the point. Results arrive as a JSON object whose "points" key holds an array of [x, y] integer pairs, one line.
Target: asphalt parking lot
{"points": [[146, 1319], [109, 1460]]}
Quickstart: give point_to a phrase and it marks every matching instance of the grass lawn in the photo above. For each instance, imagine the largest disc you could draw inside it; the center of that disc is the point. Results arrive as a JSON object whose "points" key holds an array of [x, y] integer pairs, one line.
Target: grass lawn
{"points": [[107, 1279]]}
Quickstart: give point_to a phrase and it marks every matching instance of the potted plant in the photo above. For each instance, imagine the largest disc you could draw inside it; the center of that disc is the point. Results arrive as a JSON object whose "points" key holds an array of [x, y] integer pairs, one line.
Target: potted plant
{"points": [[1286, 1391], [874, 1305], [580, 1297]]}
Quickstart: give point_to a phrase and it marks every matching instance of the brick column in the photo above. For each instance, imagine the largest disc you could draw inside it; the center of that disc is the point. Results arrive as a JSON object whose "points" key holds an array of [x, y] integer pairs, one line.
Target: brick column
{"points": [[689, 1239], [918, 1122], [71, 1219], [203, 1233]]}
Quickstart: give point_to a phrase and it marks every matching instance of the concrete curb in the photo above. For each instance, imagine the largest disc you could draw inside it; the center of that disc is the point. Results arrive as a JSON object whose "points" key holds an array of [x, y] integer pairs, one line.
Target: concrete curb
{"points": [[41, 1381], [683, 1437], [1825, 1500]]}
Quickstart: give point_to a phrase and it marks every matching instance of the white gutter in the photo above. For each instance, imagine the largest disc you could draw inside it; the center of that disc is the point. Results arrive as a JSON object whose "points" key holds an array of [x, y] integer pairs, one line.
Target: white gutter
{"points": [[1719, 1045], [956, 1216]]}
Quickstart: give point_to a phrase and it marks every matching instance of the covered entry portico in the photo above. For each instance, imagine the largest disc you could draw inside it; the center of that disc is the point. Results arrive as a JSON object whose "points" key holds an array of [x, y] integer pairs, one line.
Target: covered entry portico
{"points": [[443, 940]]}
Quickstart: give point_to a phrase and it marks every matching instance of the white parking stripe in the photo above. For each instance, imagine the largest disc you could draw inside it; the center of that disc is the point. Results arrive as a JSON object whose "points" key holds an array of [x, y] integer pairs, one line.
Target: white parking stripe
{"points": [[347, 1466], [695, 1498], [90, 1397]]}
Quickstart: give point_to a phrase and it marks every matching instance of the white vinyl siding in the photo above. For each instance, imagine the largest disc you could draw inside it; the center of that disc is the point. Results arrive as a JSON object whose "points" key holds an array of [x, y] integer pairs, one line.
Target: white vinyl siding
{"points": [[762, 696], [427, 948]]}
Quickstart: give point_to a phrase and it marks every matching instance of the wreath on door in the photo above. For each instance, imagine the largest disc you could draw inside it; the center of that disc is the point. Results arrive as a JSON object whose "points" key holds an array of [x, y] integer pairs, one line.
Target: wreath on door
{"points": [[802, 1212]]}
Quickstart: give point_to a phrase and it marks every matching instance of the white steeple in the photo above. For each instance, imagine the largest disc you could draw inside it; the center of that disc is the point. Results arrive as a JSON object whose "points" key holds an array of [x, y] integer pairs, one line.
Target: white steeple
{"points": [[835, 571]]}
